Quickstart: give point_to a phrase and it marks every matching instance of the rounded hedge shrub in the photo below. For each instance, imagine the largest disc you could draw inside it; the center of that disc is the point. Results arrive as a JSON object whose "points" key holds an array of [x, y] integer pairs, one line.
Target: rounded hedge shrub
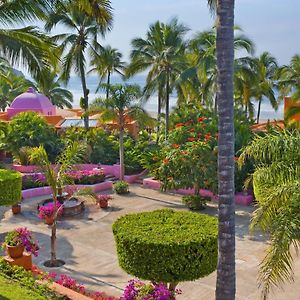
{"points": [[167, 246], [10, 187]]}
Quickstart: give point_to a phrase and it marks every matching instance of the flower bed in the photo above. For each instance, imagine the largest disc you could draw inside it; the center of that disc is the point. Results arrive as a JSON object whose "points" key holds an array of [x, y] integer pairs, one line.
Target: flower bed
{"points": [[86, 176], [240, 198], [42, 191]]}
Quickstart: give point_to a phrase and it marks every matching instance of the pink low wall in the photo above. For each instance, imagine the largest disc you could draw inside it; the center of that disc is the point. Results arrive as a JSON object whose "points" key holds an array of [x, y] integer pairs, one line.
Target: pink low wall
{"points": [[239, 198], [42, 191]]}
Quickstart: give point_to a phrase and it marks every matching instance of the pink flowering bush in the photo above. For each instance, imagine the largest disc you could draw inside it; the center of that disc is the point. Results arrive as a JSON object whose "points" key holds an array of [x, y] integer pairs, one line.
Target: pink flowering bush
{"points": [[22, 236], [138, 290], [48, 210], [103, 198], [69, 283], [86, 176]]}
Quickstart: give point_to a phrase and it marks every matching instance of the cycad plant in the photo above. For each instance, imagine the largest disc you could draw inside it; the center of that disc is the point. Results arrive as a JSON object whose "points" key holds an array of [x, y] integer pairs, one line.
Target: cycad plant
{"points": [[276, 183], [56, 178]]}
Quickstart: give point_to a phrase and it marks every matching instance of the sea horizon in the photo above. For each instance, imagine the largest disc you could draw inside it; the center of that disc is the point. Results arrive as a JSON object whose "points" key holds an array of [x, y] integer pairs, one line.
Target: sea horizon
{"points": [[74, 86]]}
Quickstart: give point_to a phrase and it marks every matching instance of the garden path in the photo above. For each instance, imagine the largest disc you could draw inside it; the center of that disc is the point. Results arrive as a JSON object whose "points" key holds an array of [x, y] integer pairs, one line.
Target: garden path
{"points": [[87, 246]]}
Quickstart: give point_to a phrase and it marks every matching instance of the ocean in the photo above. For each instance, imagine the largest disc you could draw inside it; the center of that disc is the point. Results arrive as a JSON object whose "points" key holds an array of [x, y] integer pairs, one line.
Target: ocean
{"points": [[74, 85]]}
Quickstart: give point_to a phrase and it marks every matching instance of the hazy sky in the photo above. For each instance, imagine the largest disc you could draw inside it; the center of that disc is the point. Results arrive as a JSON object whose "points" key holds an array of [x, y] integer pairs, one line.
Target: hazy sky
{"points": [[273, 25]]}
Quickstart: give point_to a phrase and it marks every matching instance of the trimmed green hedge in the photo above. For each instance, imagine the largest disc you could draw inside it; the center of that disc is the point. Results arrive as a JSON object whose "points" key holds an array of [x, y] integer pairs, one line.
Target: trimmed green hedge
{"points": [[10, 187], [167, 246]]}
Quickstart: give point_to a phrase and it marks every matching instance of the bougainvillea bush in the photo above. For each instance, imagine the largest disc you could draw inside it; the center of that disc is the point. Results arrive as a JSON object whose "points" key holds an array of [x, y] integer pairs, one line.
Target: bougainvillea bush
{"points": [[86, 176], [49, 209], [33, 180], [137, 289]]}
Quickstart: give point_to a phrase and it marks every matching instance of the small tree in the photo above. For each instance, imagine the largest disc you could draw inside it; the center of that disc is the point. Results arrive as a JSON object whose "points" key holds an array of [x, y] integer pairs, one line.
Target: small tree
{"points": [[56, 178], [121, 105], [167, 246]]}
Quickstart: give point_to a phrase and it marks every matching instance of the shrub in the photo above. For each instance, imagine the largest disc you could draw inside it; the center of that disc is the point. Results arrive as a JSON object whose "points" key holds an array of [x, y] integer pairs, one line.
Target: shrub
{"points": [[28, 129], [194, 202], [121, 187], [86, 176], [23, 156], [167, 246], [10, 187], [136, 290], [49, 209]]}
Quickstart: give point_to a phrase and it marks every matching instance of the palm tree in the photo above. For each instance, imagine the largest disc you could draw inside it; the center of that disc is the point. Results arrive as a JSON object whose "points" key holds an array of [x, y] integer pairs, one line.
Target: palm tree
{"points": [[121, 104], [49, 85], [289, 78], [203, 63], [163, 53], [11, 86], [225, 286], [57, 178], [105, 63], [276, 186], [26, 46], [83, 37]]}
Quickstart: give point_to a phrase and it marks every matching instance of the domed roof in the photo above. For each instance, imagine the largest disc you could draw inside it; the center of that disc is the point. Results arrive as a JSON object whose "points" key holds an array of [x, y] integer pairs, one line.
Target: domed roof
{"points": [[31, 100]]}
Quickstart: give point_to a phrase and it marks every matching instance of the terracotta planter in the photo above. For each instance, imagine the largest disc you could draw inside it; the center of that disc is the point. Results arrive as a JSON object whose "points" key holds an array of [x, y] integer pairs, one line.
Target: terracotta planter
{"points": [[49, 220], [15, 251], [103, 203], [16, 209]]}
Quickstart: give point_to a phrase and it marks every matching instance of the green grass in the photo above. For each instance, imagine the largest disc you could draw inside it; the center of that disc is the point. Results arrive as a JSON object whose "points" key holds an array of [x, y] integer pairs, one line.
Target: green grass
{"points": [[13, 291]]}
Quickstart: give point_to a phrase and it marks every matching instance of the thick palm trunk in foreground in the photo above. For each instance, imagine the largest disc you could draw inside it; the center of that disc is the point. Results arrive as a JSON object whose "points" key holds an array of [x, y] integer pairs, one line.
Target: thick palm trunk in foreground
{"points": [[225, 287]]}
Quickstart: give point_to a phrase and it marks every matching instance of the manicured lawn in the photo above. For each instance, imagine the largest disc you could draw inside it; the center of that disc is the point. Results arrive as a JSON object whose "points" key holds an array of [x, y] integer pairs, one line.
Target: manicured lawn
{"points": [[13, 291]]}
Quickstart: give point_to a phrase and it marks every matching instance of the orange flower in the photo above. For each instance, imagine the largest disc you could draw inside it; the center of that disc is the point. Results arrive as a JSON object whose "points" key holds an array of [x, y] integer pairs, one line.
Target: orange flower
{"points": [[236, 158], [200, 119], [207, 136], [192, 130], [179, 125], [189, 122], [166, 160], [175, 146], [191, 139]]}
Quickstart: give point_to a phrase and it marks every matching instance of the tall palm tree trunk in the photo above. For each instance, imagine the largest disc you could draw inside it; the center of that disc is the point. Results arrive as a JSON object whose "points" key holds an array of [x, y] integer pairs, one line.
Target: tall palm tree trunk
{"points": [[121, 142], [108, 84], [167, 104], [158, 113], [258, 110], [86, 98], [225, 286]]}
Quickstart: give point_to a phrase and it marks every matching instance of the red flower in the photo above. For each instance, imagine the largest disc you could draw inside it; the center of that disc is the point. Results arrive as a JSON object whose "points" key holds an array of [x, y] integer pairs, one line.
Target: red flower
{"points": [[207, 136], [179, 125], [192, 130], [200, 119], [175, 146], [189, 122], [191, 139]]}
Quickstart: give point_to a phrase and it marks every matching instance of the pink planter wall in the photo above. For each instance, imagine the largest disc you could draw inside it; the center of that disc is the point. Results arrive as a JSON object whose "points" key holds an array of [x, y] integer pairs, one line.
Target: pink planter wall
{"points": [[240, 198], [42, 191]]}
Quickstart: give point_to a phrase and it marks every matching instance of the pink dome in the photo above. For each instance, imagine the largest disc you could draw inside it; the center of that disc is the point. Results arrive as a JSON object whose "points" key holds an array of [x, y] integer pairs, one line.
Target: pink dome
{"points": [[31, 101]]}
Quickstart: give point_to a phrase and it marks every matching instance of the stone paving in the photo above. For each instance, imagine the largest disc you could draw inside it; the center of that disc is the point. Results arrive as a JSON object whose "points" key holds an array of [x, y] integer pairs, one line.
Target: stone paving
{"points": [[87, 246]]}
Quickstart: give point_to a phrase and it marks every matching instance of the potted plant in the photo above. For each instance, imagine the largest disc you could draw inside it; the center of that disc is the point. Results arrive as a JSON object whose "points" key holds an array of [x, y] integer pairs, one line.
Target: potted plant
{"points": [[121, 187], [19, 239], [46, 212], [16, 208], [102, 200], [194, 202]]}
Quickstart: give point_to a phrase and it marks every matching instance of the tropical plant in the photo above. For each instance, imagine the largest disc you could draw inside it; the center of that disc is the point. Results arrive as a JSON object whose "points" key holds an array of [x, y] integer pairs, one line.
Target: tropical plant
{"points": [[31, 130], [225, 286], [11, 86], [121, 106], [49, 85], [84, 30], [201, 73], [22, 236], [163, 52], [105, 62], [57, 178], [276, 184], [121, 187]]}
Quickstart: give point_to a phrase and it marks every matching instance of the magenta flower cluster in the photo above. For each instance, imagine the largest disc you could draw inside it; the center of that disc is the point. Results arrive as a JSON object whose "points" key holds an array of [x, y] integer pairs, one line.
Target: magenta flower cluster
{"points": [[86, 176], [22, 236], [70, 283], [33, 180], [136, 289], [103, 198], [48, 210]]}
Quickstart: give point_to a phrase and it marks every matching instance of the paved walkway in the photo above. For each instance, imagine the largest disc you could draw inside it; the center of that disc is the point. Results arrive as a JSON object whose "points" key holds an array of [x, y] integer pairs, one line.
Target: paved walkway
{"points": [[87, 246]]}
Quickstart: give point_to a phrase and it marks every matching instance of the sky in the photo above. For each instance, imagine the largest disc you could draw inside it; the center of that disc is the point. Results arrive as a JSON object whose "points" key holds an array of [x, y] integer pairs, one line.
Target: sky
{"points": [[273, 25]]}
